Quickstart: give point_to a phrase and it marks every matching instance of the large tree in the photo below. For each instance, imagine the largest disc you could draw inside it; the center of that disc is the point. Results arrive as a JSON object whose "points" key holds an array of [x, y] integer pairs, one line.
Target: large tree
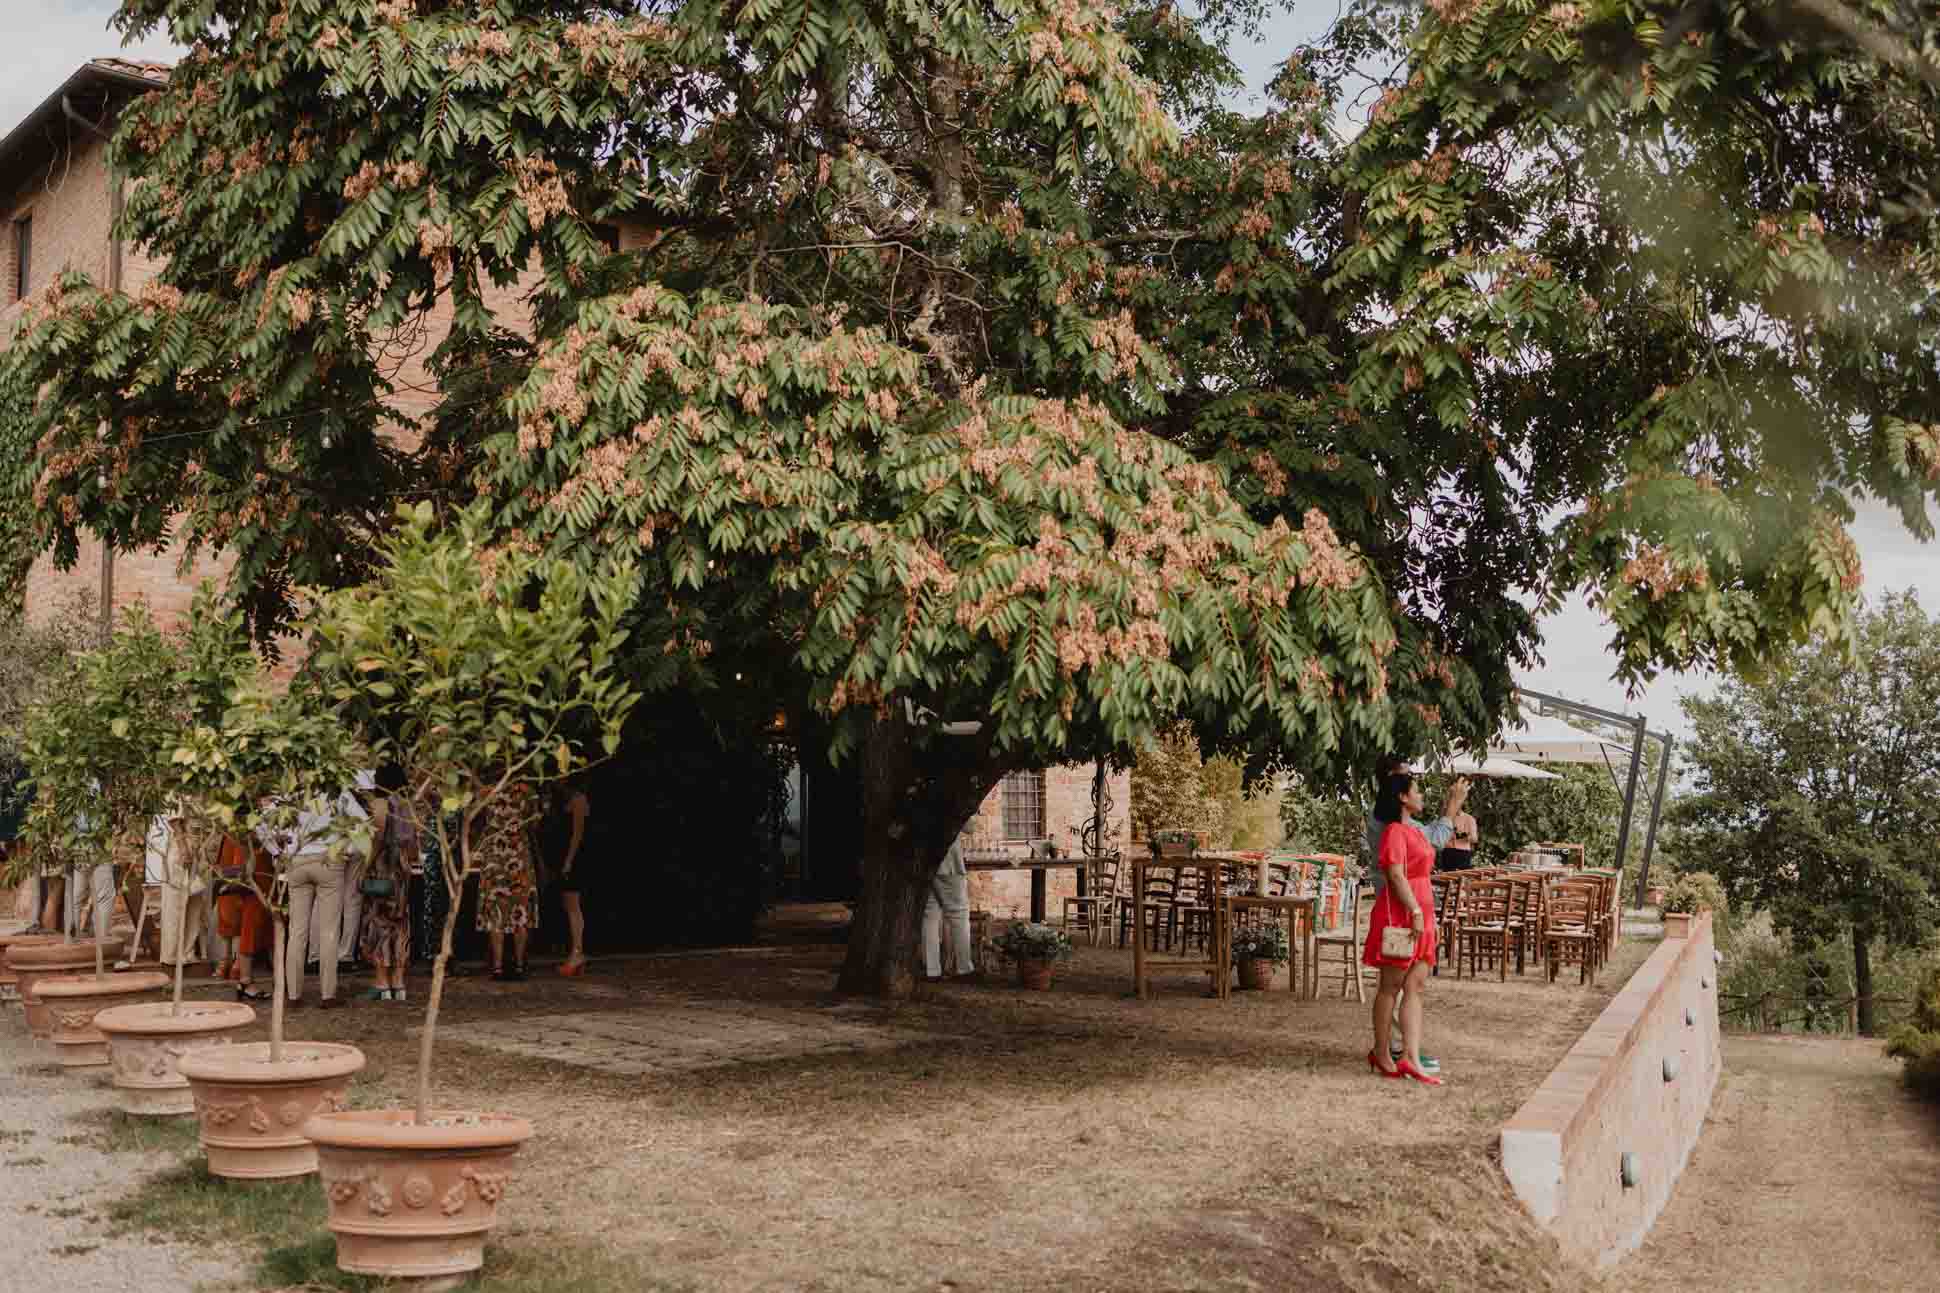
{"points": [[1815, 790], [982, 363]]}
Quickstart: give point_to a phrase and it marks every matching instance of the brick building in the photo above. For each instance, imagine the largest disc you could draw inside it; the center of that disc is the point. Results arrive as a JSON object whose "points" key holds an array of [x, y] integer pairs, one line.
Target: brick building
{"points": [[60, 204]]}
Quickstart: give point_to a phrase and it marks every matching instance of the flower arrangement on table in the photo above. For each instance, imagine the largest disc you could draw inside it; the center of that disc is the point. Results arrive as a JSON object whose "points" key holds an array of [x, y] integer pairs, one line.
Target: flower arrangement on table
{"points": [[1024, 940]]}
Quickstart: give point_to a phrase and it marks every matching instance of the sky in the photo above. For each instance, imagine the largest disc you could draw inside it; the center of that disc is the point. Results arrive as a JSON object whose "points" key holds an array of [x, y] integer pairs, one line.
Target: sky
{"points": [[42, 41]]}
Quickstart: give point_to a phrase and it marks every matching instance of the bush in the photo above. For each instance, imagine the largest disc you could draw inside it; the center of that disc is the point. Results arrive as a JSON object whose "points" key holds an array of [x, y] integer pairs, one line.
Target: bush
{"points": [[1917, 1042], [1695, 891]]}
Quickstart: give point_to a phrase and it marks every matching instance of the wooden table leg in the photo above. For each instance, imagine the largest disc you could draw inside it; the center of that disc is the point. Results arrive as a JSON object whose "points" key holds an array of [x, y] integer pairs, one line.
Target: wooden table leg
{"points": [[1313, 953]]}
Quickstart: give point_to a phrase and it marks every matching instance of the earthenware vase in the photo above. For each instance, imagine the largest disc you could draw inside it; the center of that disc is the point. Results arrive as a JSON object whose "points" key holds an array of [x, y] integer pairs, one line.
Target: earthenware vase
{"points": [[252, 1111], [72, 1001], [414, 1201], [33, 961], [1034, 973], [146, 1043]]}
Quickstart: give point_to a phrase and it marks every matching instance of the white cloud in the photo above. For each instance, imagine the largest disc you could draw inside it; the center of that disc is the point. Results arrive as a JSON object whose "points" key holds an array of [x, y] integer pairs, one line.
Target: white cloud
{"points": [[43, 41]]}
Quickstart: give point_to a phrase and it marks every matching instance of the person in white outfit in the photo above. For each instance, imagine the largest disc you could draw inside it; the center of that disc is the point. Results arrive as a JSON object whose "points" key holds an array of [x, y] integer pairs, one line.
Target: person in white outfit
{"points": [[316, 877], [352, 907], [949, 899], [185, 893]]}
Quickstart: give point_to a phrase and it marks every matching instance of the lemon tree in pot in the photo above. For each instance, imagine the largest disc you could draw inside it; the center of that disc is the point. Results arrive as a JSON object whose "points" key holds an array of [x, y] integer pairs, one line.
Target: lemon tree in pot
{"points": [[480, 673], [275, 774], [147, 1039], [96, 744]]}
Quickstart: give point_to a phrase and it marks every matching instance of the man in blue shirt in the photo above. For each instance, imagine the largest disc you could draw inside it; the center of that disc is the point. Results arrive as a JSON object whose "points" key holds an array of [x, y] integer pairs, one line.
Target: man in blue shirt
{"points": [[1437, 833]]}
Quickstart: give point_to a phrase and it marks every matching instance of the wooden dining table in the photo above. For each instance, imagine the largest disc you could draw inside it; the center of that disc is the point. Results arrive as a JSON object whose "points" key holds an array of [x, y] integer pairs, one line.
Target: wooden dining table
{"points": [[994, 860]]}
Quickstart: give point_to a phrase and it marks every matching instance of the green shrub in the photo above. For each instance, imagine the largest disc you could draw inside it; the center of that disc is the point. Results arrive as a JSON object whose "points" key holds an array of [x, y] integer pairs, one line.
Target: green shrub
{"points": [[1694, 891], [1917, 1043]]}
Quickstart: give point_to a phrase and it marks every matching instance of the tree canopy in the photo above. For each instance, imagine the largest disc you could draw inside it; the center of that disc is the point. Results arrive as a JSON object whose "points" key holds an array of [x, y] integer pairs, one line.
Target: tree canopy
{"points": [[987, 361], [1815, 789]]}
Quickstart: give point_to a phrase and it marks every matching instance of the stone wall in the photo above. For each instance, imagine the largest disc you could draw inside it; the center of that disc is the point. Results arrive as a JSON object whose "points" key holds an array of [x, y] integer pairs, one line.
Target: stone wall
{"points": [[1596, 1151], [1067, 807]]}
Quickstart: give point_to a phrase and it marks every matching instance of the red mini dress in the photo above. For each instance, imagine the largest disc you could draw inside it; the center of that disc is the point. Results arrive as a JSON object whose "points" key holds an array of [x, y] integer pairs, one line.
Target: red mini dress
{"points": [[1402, 843]]}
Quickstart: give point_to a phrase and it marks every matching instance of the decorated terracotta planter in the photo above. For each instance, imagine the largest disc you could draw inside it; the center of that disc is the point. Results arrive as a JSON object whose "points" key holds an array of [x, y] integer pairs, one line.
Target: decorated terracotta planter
{"points": [[252, 1112], [1677, 924], [53, 959], [147, 1041], [9, 980], [1034, 973], [72, 1002], [414, 1202], [1255, 973]]}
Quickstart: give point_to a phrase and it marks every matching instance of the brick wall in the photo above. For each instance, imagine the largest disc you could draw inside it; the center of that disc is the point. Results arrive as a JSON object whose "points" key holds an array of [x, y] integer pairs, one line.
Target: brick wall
{"points": [[1639, 1083], [1067, 807]]}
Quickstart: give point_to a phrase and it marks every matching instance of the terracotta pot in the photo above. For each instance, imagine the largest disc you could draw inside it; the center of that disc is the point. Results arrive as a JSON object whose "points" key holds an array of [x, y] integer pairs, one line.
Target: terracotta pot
{"points": [[1034, 973], [73, 1000], [146, 1041], [416, 1202], [1677, 924], [1255, 973], [53, 959], [9, 980], [252, 1111]]}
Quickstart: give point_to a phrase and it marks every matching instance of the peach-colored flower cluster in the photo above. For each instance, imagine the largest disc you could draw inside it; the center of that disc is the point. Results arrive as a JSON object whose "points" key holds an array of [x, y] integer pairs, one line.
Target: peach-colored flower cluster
{"points": [[1660, 574], [1118, 336], [1923, 451], [364, 182], [559, 397], [540, 188], [1081, 644], [1328, 565], [1272, 476], [160, 297]]}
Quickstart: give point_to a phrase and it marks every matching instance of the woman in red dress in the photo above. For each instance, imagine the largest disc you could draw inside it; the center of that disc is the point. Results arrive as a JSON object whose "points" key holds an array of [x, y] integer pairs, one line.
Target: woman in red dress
{"points": [[1405, 902]]}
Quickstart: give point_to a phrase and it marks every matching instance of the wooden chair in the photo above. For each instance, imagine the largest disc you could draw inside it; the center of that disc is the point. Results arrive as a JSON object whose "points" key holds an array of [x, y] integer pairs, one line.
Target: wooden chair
{"points": [[1093, 912], [1526, 918], [1482, 928], [1569, 934], [1341, 928], [1190, 915], [1161, 886]]}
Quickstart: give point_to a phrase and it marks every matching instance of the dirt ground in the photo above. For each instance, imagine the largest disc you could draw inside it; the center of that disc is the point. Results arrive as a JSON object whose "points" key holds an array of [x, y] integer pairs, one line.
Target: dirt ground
{"points": [[1816, 1171], [1075, 1139]]}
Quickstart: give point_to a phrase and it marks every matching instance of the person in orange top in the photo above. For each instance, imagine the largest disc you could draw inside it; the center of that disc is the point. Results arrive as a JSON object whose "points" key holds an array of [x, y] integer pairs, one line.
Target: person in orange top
{"points": [[1406, 901], [241, 918]]}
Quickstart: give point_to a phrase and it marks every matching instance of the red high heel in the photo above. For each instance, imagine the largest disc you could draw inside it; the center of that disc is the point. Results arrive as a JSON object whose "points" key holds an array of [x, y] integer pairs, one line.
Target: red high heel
{"points": [[1375, 1064], [1404, 1069], [569, 970]]}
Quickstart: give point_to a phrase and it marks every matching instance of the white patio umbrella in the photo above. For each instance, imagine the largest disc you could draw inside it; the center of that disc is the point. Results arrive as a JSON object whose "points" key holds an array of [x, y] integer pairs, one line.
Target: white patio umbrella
{"points": [[1469, 765], [1539, 738]]}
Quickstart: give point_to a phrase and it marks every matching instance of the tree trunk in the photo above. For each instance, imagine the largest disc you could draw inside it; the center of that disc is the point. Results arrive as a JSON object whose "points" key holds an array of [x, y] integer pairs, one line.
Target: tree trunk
{"points": [[1862, 977], [908, 823], [276, 988]]}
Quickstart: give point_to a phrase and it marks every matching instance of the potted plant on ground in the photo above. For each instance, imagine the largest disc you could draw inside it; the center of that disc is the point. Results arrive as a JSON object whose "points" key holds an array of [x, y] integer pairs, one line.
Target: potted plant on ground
{"points": [[1686, 896], [146, 1040], [273, 776], [1034, 949], [1257, 949], [96, 745], [479, 673]]}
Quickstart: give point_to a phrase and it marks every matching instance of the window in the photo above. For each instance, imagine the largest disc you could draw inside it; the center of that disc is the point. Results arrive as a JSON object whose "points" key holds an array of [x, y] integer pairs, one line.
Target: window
{"points": [[608, 235], [1024, 806], [23, 251]]}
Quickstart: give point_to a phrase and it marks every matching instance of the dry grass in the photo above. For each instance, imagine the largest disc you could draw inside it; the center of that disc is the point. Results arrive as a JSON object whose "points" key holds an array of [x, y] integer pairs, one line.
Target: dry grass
{"points": [[1075, 1139]]}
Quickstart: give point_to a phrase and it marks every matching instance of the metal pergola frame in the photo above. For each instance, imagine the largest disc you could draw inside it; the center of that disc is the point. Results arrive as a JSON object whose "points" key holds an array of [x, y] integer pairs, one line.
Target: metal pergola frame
{"points": [[1640, 732]]}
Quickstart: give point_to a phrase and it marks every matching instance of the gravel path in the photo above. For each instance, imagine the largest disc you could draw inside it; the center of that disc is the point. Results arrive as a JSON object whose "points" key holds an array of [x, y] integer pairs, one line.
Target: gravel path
{"points": [[54, 1183], [1816, 1171]]}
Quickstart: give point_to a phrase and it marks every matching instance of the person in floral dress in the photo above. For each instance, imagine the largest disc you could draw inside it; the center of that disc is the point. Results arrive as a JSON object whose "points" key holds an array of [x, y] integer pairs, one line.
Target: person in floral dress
{"points": [[508, 883]]}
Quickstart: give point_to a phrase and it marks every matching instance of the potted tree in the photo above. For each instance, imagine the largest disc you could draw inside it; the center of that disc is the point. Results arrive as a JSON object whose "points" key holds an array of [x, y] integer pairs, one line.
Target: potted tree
{"points": [[147, 1039], [1034, 949], [480, 674], [96, 745], [274, 776], [1257, 950]]}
